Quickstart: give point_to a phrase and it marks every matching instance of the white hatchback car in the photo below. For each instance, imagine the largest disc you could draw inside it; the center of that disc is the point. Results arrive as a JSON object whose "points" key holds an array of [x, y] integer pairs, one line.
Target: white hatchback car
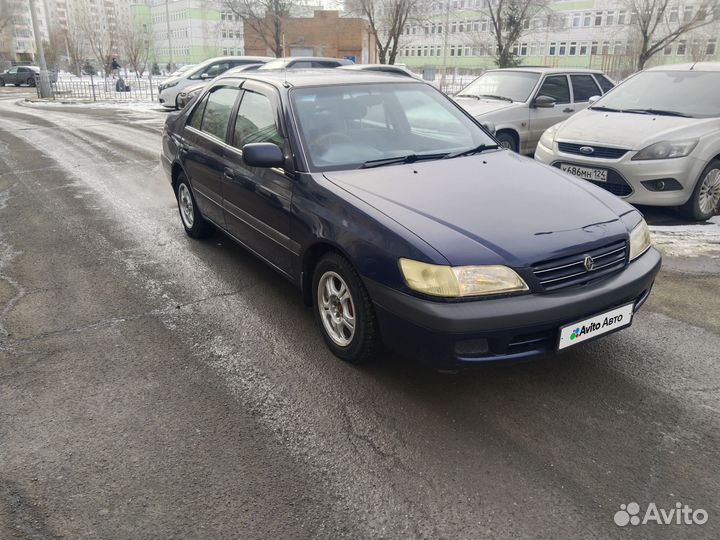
{"points": [[523, 102], [654, 140]]}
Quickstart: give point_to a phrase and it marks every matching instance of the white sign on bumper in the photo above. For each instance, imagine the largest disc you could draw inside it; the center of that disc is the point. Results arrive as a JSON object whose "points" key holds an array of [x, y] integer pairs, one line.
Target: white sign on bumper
{"points": [[595, 326]]}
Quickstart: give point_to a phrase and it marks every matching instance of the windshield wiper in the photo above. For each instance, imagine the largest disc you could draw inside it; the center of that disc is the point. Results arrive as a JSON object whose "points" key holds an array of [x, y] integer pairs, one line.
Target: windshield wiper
{"points": [[659, 112], [410, 158], [608, 109], [471, 151], [468, 95], [491, 96]]}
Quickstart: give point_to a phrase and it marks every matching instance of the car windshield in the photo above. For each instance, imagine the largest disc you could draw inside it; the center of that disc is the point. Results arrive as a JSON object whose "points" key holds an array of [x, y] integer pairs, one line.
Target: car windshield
{"points": [[350, 126], [676, 93], [510, 85]]}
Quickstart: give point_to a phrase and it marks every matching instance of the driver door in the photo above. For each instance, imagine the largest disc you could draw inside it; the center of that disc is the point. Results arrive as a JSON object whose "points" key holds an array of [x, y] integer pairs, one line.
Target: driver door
{"points": [[558, 88]]}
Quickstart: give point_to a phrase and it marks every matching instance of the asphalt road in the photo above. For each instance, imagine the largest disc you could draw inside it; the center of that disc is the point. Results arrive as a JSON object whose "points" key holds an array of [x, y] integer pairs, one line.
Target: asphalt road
{"points": [[152, 386]]}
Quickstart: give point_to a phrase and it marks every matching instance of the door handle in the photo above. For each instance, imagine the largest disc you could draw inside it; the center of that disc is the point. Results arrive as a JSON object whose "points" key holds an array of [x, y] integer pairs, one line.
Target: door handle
{"points": [[568, 109], [228, 173]]}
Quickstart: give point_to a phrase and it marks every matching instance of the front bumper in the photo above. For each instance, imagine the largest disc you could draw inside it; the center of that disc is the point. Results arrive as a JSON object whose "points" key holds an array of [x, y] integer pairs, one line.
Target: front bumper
{"points": [[684, 171], [461, 334]]}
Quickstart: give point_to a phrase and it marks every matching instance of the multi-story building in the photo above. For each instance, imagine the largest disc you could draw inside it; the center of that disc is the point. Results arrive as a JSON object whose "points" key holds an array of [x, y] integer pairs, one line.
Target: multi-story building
{"points": [[567, 33]]}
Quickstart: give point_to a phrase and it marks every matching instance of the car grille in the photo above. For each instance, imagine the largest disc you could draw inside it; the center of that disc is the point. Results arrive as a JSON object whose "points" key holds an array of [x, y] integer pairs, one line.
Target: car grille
{"points": [[598, 151], [567, 271], [615, 184]]}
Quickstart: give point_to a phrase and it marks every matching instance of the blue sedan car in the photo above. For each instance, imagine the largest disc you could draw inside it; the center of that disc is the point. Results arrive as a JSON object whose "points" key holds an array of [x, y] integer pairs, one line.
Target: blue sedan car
{"points": [[402, 221]]}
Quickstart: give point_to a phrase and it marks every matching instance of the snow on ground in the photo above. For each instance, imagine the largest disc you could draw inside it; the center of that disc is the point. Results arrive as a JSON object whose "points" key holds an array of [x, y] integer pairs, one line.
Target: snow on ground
{"points": [[688, 240], [135, 105]]}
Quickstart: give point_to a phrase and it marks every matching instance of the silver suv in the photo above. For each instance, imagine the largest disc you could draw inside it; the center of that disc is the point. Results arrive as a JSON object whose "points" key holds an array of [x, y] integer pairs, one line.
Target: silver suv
{"points": [[523, 102]]}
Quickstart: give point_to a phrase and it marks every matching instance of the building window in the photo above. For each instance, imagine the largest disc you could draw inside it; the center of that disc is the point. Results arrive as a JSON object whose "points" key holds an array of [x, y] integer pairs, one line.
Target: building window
{"points": [[617, 48], [587, 20], [673, 15], [621, 17], [688, 14], [667, 51], [598, 18], [606, 47], [633, 17], [711, 44], [551, 52], [573, 48], [583, 48], [682, 44], [610, 18], [576, 20], [594, 48], [523, 49], [533, 49], [561, 49]]}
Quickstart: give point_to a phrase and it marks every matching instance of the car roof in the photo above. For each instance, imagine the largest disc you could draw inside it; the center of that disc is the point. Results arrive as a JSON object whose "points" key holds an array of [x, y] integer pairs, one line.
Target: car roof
{"points": [[292, 59], [691, 66], [544, 70], [318, 77]]}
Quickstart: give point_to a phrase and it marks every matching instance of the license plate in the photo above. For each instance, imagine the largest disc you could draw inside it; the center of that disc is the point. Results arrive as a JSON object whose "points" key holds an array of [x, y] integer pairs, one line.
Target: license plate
{"points": [[588, 173], [597, 325]]}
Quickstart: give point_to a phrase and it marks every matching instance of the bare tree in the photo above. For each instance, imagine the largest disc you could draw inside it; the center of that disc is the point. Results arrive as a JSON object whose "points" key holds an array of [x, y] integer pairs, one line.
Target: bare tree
{"points": [[75, 45], [135, 44], [265, 18], [387, 20], [100, 40], [659, 23], [509, 20]]}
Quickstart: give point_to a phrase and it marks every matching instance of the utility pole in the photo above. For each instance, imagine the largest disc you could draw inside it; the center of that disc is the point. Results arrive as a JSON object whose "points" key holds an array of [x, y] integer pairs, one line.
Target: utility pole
{"points": [[44, 82], [167, 25]]}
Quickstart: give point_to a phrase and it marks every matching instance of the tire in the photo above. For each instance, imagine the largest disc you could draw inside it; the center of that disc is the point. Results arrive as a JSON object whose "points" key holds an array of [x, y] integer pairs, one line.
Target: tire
{"points": [[705, 198], [333, 311], [194, 224], [17, 84], [507, 140], [2, 82], [31, 82]]}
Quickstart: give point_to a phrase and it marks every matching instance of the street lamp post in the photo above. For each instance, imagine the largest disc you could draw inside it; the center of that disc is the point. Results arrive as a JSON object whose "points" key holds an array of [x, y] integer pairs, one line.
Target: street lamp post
{"points": [[169, 39], [44, 82]]}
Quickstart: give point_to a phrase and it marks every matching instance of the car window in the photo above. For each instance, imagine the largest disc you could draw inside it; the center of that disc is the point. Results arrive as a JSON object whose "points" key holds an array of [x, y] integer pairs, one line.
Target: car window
{"points": [[13, 70], [301, 65], [217, 111], [343, 126], [514, 85], [691, 93], [584, 87], [556, 87], [605, 83], [256, 121], [197, 114], [324, 64]]}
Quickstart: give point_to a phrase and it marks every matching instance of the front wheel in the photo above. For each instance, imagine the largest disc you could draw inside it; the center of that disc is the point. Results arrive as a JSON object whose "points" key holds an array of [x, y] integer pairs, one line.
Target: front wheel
{"points": [[2, 82], [705, 199], [31, 81], [344, 311], [507, 140], [193, 222]]}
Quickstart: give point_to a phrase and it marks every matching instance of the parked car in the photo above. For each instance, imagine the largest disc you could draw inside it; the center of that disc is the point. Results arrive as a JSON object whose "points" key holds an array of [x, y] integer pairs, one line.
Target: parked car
{"points": [[430, 238], [523, 102], [181, 70], [171, 87], [655, 140], [18, 75], [382, 68], [304, 62], [194, 90]]}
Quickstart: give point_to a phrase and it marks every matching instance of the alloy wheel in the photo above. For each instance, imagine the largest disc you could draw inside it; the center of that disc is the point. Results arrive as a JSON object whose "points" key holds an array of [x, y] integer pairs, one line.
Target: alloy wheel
{"points": [[709, 196], [187, 211], [337, 309]]}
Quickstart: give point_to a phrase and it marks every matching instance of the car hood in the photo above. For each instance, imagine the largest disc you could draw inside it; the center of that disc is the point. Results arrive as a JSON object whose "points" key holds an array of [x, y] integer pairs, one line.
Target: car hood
{"points": [[628, 130], [493, 208], [479, 107]]}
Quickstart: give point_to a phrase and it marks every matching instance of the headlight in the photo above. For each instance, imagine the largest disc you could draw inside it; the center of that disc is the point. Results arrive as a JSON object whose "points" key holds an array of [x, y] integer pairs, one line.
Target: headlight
{"points": [[640, 240], [460, 281], [548, 137], [666, 150], [167, 85]]}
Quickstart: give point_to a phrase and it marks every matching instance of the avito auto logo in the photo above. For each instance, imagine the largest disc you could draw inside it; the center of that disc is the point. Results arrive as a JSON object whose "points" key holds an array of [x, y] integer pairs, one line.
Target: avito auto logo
{"points": [[588, 329]]}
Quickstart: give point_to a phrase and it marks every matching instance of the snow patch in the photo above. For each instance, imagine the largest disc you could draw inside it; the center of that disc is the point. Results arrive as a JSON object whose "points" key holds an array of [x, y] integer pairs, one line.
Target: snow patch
{"points": [[688, 240]]}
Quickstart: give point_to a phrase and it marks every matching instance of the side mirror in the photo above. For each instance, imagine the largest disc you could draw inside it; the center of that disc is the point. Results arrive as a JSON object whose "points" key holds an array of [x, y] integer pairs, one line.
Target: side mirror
{"points": [[264, 155], [544, 102], [204, 76], [489, 127], [592, 100]]}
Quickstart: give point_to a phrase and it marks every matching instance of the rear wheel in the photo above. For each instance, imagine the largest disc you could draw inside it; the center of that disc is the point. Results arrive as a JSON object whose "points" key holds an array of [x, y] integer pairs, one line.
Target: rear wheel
{"points": [[31, 81], [507, 140], [193, 222], [344, 311], [705, 199]]}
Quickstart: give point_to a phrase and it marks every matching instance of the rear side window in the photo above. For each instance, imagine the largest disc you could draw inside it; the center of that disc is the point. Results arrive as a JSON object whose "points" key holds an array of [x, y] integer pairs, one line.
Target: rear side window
{"points": [[605, 83], [557, 88], [255, 121], [217, 111], [584, 87], [197, 114], [301, 64]]}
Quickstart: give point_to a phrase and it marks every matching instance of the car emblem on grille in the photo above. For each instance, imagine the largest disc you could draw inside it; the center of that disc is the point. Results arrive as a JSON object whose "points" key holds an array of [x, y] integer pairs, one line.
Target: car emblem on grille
{"points": [[587, 149], [589, 263]]}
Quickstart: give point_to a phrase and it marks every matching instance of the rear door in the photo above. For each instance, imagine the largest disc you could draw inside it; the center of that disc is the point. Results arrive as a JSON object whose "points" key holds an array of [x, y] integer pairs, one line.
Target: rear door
{"points": [[11, 76], [257, 200], [558, 88], [205, 136]]}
